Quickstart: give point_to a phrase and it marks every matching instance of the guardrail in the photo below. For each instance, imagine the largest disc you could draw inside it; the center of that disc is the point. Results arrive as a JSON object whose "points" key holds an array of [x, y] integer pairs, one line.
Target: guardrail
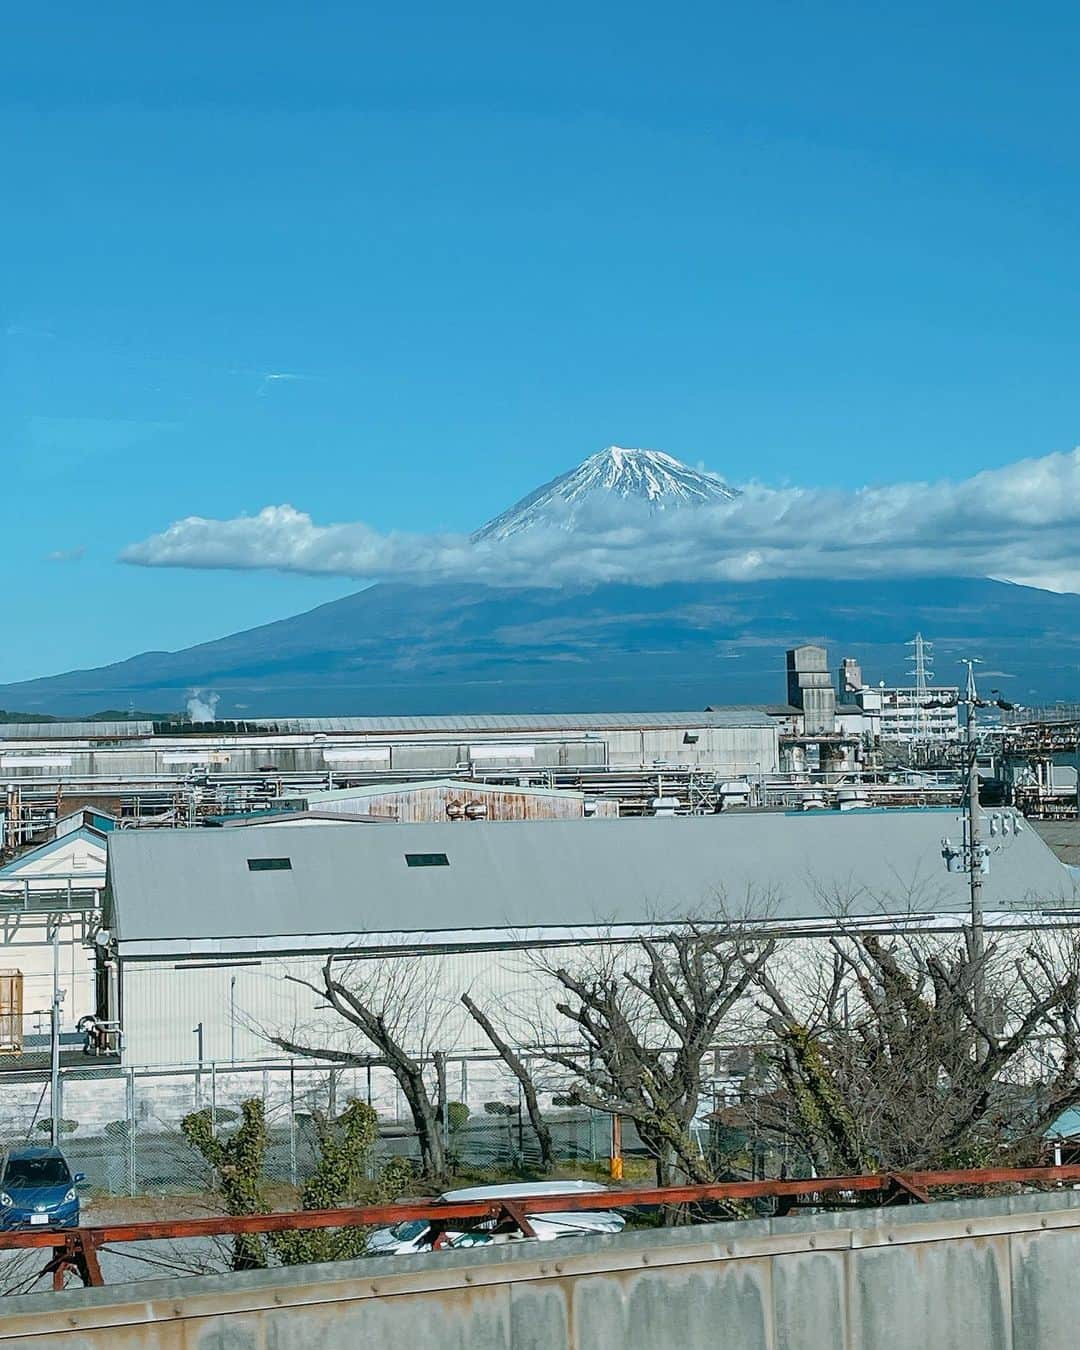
{"points": [[78, 1249]]}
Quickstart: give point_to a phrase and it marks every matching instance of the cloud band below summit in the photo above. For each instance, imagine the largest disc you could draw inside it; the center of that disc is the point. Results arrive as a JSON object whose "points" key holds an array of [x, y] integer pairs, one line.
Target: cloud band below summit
{"points": [[1020, 522]]}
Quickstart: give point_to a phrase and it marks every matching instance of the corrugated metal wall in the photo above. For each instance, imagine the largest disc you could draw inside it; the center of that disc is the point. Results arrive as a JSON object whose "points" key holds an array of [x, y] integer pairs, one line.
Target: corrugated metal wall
{"points": [[733, 750], [417, 805], [730, 750], [242, 1003]]}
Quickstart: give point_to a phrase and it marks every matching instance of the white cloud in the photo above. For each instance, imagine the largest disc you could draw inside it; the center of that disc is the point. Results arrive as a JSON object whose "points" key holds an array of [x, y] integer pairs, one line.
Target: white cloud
{"points": [[273, 377], [1021, 523]]}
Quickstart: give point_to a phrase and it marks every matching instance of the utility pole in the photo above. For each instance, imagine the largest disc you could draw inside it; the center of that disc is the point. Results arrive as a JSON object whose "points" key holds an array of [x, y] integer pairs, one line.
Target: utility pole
{"points": [[197, 1032], [973, 857], [977, 936], [54, 1040]]}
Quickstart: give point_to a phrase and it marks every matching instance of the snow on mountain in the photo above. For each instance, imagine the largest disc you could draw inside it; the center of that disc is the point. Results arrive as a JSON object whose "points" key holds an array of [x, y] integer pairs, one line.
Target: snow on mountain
{"points": [[650, 477]]}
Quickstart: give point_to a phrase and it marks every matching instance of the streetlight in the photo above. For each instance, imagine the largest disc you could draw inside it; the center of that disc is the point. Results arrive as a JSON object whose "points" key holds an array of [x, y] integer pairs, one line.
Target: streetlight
{"points": [[54, 1037]]}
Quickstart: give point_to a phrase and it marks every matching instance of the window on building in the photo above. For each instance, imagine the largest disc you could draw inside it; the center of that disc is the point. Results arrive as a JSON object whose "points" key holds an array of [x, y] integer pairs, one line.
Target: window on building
{"points": [[426, 860], [269, 864]]}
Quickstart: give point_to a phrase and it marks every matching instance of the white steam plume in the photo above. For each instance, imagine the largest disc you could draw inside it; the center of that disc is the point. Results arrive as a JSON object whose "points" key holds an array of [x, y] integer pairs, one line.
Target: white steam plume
{"points": [[202, 705]]}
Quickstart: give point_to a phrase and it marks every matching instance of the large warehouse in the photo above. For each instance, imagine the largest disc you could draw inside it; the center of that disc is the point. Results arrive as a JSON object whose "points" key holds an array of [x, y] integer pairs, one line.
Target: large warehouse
{"points": [[732, 740], [178, 773], [205, 928]]}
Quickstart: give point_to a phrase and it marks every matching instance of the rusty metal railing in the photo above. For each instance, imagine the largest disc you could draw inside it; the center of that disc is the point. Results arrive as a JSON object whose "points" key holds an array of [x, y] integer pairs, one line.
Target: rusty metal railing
{"points": [[78, 1250]]}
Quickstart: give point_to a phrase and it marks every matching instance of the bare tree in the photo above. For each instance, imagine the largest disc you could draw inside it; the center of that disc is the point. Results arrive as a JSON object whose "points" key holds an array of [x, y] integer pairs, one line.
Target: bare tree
{"points": [[646, 1015], [886, 1059], [394, 1005], [517, 1067]]}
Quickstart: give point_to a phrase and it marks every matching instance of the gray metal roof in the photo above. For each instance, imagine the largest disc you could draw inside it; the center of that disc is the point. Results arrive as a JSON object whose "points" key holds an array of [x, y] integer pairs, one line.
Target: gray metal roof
{"points": [[196, 884], [466, 725], [632, 721], [774, 710], [1063, 836], [74, 731]]}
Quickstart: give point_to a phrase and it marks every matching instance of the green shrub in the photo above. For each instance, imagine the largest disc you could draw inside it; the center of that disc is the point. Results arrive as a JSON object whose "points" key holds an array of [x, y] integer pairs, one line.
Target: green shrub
{"points": [[344, 1145], [457, 1113]]}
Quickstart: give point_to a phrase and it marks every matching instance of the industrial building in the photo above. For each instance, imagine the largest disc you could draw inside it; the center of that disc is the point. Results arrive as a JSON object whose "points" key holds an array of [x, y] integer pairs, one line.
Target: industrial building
{"points": [[53, 888], [736, 739], [922, 712], [179, 773], [431, 800], [1036, 755], [211, 929], [183, 771], [811, 690]]}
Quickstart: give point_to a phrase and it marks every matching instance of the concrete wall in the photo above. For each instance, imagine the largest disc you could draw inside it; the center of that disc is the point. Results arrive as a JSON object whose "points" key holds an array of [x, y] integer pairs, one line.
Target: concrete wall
{"points": [[996, 1275]]}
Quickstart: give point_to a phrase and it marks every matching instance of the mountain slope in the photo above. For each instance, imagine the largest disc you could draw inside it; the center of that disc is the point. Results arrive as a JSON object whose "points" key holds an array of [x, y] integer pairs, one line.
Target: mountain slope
{"points": [[472, 648], [649, 477], [412, 649]]}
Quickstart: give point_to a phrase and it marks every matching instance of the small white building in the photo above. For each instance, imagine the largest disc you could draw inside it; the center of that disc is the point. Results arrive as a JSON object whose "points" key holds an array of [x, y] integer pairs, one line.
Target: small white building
{"points": [[56, 885]]}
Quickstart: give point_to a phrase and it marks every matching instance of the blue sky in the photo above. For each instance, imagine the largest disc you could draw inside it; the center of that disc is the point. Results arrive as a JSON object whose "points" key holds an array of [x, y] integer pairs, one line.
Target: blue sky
{"points": [[826, 245]]}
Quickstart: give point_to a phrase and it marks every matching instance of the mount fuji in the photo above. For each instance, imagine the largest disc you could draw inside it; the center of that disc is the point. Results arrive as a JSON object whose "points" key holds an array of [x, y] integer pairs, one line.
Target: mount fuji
{"points": [[470, 648], [649, 478]]}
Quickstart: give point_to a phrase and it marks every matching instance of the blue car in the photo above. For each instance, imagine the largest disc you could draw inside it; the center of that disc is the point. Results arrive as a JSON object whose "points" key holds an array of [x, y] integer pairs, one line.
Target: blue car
{"points": [[37, 1190]]}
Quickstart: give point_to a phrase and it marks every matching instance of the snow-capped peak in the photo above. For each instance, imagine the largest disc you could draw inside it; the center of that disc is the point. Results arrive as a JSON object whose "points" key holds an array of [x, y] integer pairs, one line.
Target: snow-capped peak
{"points": [[651, 477]]}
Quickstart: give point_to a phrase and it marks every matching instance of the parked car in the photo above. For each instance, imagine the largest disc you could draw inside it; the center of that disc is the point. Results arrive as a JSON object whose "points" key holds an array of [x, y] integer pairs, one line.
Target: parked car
{"points": [[417, 1235], [38, 1190]]}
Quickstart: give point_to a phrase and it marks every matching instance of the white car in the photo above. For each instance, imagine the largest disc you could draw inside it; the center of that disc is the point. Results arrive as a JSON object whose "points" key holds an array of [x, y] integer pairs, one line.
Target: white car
{"points": [[416, 1235]]}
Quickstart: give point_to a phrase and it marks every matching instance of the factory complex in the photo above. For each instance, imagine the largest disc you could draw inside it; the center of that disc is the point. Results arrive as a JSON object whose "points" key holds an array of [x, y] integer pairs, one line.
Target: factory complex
{"points": [[163, 877], [179, 772]]}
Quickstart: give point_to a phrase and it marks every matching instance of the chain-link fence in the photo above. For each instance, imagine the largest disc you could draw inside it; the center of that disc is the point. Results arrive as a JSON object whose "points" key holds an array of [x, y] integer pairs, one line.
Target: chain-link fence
{"points": [[122, 1126]]}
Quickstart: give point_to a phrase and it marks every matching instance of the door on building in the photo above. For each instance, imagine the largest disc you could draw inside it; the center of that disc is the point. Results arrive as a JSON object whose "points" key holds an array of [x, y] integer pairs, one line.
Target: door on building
{"points": [[11, 1012]]}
